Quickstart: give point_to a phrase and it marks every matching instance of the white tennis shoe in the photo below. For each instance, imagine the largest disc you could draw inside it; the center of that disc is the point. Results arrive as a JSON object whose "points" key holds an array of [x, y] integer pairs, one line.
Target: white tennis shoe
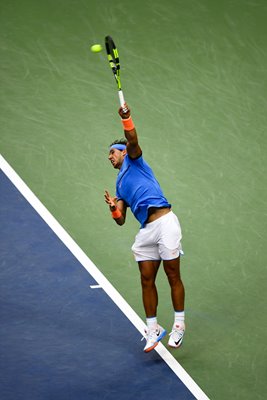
{"points": [[176, 335], [153, 336]]}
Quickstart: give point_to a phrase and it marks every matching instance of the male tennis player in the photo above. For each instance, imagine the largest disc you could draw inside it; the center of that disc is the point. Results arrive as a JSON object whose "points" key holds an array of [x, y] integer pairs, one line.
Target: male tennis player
{"points": [[159, 237]]}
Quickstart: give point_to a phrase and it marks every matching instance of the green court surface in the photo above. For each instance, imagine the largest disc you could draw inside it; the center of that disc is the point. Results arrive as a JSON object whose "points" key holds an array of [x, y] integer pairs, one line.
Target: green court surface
{"points": [[194, 75]]}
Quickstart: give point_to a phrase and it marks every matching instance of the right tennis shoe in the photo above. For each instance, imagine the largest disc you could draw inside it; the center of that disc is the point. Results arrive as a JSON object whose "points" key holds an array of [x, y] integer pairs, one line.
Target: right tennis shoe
{"points": [[153, 336], [176, 335]]}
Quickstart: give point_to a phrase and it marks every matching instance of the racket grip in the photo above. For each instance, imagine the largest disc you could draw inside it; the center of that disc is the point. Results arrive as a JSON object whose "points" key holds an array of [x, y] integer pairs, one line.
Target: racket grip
{"points": [[122, 100]]}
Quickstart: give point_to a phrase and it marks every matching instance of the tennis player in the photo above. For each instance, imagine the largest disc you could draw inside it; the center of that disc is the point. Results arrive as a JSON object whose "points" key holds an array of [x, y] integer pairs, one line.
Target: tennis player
{"points": [[159, 237]]}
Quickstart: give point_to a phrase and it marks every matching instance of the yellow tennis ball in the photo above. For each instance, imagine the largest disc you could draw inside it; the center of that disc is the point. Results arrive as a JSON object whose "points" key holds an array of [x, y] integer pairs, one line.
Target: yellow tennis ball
{"points": [[96, 48]]}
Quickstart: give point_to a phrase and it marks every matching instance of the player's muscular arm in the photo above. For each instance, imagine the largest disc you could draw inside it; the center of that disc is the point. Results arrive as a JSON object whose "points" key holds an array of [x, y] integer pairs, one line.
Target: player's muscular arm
{"points": [[133, 148]]}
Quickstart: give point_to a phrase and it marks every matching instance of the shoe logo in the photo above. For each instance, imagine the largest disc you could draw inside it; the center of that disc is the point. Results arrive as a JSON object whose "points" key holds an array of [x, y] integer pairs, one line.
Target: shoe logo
{"points": [[180, 333]]}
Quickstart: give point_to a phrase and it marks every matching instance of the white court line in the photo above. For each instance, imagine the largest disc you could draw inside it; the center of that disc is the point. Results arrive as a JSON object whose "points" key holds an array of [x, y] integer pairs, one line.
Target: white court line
{"points": [[98, 276]]}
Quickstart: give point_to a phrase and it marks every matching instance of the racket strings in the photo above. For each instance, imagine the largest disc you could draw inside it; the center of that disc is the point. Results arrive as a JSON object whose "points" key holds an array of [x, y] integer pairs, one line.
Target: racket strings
{"points": [[113, 58]]}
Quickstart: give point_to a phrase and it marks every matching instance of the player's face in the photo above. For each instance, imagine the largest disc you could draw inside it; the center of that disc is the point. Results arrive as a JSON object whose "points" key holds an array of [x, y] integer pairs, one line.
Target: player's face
{"points": [[116, 157]]}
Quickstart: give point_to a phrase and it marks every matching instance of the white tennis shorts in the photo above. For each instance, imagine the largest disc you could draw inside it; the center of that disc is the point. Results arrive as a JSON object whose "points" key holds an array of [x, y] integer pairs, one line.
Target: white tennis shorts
{"points": [[159, 240]]}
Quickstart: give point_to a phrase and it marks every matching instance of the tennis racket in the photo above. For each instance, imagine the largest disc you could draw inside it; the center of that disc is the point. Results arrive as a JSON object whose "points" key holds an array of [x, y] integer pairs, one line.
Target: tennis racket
{"points": [[114, 62]]}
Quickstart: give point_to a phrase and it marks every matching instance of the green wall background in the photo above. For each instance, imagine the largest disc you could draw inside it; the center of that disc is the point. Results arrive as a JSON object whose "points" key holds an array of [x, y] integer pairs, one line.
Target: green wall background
{"points": [[194, 75]]}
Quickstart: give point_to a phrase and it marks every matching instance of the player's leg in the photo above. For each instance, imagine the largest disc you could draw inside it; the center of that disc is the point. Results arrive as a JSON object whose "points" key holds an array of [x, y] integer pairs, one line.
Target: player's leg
{"points": [[172, 270], [170, 248], [148, 273]]}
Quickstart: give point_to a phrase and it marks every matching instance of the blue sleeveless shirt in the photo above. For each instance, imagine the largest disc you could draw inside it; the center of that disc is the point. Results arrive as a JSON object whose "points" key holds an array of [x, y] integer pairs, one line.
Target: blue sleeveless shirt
{"points": [[137, 186]]}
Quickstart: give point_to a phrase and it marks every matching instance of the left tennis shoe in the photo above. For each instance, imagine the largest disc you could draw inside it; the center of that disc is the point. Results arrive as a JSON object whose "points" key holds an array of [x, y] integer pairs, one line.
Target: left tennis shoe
{"points": [[176, 335], [153, 336]]}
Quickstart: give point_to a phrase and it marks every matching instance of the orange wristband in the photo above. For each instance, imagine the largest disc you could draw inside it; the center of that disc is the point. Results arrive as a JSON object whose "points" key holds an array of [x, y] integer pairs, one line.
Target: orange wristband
{"points": [[116, 214], [128, 124]]}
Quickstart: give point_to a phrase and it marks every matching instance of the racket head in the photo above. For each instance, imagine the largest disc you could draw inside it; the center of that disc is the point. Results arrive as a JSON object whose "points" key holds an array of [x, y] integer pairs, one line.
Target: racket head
{"points": [[113, 58]]}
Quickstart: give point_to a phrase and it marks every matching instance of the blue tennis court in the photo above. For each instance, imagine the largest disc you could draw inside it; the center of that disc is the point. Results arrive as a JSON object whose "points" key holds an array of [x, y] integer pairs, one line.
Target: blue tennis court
{"points": [[62, 336]]}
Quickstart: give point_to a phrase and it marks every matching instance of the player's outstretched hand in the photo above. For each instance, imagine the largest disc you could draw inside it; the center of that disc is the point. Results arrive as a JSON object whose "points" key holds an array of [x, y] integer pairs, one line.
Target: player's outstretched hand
{"points": [[111, 201], [125, 112]]}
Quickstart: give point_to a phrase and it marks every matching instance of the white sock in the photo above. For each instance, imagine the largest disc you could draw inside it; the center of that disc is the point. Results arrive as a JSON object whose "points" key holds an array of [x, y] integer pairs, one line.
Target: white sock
{"points": [[152, 323], [179, 318]]}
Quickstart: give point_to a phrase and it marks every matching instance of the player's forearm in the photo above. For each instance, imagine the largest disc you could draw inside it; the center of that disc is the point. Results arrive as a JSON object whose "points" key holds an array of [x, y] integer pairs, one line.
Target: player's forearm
{"points": [[131, 136], [118, 217], [120, 221], [133, 148], [127, 122], [118, 214]]}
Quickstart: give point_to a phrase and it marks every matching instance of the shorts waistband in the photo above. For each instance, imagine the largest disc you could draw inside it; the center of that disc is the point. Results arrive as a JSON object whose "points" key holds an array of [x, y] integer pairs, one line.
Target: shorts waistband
{"points": [[158, 220]]}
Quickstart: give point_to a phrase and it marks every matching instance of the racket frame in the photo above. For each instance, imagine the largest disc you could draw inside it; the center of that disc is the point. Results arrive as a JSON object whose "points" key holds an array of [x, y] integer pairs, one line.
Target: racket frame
{"points": [[114, 62]]}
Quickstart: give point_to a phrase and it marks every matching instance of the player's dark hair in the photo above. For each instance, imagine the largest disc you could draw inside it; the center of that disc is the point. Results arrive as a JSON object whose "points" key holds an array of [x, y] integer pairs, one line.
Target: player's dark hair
{"points": [[119, 141]]}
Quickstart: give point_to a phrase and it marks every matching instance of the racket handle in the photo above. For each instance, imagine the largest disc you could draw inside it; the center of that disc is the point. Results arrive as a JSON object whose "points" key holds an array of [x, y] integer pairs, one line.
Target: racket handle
{"points": [[122, 101]]}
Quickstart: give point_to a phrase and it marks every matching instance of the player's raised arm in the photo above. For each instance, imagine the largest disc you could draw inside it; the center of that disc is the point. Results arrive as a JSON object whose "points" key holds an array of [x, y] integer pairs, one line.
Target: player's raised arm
{"points": [[133, 148]]}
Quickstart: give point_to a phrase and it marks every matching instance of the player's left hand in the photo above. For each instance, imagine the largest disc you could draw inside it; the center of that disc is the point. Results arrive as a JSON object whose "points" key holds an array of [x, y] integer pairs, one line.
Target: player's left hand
{"points": [[111, 201]]}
